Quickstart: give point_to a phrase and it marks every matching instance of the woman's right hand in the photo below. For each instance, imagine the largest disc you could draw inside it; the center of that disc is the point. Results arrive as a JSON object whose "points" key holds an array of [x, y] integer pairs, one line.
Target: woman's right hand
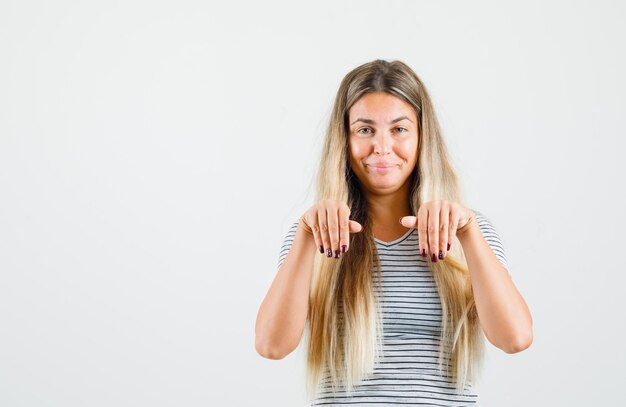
{"points": [[329, 224]]}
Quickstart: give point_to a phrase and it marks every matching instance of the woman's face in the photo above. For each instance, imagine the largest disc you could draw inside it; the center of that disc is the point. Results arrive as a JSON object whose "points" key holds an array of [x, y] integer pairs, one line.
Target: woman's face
{"points": [[382, 141]]}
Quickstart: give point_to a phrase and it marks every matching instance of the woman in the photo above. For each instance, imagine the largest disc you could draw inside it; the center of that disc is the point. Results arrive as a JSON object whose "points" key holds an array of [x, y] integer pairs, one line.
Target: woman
{"points": [[407, 278]]}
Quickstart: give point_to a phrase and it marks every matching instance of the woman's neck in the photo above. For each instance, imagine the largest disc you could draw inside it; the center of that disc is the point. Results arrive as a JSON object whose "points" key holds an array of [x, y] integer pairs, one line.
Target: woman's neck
{"points": [[386, 210]]}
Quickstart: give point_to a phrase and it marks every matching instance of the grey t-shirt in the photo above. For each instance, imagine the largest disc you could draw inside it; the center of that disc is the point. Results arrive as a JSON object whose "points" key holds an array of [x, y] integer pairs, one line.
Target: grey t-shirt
{"points": [[411, 311]]}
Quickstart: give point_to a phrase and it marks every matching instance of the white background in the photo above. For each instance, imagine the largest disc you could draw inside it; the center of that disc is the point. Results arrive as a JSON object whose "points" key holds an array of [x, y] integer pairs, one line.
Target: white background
{"points": [[154, 153]]}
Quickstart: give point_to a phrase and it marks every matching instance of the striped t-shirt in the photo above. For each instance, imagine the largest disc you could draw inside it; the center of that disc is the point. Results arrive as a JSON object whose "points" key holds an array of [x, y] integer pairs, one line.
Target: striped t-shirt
{"points": [[407, 373]]}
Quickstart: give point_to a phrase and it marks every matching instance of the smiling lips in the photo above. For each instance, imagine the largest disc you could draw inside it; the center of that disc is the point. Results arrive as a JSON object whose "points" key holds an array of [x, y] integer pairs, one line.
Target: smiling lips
{"points": [[382, 168]]}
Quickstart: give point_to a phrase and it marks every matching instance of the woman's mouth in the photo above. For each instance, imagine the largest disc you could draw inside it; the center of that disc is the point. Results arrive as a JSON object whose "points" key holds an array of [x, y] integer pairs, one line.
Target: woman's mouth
{"points": [[382, 169]]}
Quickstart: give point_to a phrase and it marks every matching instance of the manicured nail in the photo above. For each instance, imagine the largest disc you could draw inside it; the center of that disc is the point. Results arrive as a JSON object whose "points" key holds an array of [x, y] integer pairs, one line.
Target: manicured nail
{"points": [[448, 246], [423, 252], [434, 258], [321, 249], [440, 255], [344, 248], [337, 254], [329, 253], [400, 220]]}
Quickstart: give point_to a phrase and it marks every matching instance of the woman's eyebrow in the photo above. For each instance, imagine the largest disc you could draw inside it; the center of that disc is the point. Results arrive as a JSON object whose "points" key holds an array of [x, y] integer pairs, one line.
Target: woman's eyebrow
{"points": [[370, 121]]}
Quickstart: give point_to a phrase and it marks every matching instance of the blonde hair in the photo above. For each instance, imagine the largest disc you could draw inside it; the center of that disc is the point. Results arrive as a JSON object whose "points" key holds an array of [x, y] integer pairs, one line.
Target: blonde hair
{"points": [[344, 323]]}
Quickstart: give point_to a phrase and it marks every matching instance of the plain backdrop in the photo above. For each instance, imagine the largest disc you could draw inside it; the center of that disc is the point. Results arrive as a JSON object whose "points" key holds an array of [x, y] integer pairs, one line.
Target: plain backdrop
{"points": [[154, 153]]}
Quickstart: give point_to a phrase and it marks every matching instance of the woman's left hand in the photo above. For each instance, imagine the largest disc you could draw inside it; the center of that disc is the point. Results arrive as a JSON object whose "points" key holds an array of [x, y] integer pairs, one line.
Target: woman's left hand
{"points": [[437, 222]]}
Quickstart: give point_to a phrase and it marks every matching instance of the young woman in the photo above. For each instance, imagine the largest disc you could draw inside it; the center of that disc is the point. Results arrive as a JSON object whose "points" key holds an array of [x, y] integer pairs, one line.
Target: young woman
{"points": [[407, 278]]}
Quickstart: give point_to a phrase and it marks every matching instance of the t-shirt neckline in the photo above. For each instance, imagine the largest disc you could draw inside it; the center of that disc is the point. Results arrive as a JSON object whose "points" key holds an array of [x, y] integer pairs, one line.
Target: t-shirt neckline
{"points": [[396, 241]]}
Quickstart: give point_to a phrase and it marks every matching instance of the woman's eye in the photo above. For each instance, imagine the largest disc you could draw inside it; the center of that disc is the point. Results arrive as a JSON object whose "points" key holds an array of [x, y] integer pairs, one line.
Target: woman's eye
{"points": [[361, 130], [402, 128]]}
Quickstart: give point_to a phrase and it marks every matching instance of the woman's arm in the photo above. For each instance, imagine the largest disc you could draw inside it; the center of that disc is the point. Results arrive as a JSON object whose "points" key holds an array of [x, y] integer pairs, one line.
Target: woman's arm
{"points": [[503, 313], [282, 316]]}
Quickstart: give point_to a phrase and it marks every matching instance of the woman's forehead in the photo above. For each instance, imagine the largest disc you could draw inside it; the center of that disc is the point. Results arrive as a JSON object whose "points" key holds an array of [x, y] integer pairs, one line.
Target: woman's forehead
{"points": [[380, 108]]}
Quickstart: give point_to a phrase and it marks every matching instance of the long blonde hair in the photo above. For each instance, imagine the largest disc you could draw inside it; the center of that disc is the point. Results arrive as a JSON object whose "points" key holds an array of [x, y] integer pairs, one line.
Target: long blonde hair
{"points": [[344, 323]]}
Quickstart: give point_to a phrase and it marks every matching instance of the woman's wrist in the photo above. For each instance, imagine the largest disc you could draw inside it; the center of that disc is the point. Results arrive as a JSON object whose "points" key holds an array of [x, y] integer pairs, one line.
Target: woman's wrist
{"points": [[470, 224], [305, 226], [469, 233]]}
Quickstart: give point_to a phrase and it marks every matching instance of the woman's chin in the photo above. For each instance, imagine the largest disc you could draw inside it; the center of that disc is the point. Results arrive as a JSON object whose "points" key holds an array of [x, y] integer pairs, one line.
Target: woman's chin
{"points": [[383, 187]]}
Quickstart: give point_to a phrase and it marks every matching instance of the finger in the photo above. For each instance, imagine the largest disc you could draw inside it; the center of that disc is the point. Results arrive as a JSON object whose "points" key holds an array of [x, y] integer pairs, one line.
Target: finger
{"points": [[408, 221], [454, 224], [355, 227], [444, 225], [433, 232], [315, 231], [337, 227], [322, 219], [344, 228], [422, 230], [333, 230]]}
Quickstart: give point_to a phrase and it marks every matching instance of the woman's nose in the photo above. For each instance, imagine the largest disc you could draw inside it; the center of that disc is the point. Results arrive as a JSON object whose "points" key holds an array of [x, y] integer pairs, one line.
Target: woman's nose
{"points": [[382, 144]]}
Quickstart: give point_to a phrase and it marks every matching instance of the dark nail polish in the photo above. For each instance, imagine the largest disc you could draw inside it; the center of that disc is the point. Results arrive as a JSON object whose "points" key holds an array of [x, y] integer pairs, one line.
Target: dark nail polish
{"points": [[329, 253], [434, 258], [423, 252], [337, 254], [448, 246], [440, 254], [321, 249], [344, 248]]}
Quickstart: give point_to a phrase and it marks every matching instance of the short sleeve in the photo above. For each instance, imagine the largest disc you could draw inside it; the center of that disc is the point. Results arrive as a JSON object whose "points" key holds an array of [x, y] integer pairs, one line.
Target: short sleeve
{"points": [[492, 237], [287, 241]]}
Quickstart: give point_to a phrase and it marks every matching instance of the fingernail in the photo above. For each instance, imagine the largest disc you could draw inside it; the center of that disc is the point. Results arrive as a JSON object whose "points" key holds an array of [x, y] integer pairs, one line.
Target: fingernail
{"points": [[329, 253], [434, 258], [400, 220], [337, 254], [448, 246], [321, 249], [440, 255], [344, 248], [423, 252]]}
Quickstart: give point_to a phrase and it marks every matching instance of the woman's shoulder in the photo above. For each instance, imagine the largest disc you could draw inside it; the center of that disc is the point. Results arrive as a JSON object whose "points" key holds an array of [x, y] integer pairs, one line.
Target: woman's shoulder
{"points": [[484, 222], [482, 218], [491, 234], [294, 225]]}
